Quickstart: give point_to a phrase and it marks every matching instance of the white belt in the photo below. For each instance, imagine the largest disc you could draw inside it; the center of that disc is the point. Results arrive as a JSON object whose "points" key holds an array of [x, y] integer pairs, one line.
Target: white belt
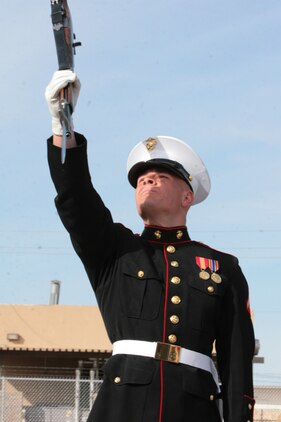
{"points": [[166, 352]]}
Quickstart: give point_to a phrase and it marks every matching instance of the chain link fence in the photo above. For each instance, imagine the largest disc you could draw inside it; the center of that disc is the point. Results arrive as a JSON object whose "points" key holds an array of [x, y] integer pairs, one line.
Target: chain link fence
{"points": [[267, 413], [69, 399], [268, 404], [51, 399]]}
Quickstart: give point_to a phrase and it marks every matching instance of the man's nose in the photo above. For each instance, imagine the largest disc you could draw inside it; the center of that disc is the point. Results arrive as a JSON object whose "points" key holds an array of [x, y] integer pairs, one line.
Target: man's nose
{"points": [[149, 180]]}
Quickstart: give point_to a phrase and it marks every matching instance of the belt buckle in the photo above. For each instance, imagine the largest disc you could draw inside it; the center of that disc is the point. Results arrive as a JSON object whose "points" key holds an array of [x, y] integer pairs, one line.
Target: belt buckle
{"points": [[167, 352]]}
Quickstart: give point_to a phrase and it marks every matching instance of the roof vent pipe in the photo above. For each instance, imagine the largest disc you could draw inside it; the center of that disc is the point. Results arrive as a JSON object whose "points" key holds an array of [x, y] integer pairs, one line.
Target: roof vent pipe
{"points": [[55, 292]]}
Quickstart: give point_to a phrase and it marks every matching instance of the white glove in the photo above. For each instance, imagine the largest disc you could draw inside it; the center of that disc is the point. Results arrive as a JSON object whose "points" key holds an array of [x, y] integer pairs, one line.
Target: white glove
{"points": [[60, 79]]}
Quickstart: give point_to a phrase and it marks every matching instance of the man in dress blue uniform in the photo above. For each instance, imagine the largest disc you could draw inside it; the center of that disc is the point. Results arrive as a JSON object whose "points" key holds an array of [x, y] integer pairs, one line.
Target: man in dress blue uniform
{"points": [[164, 298]]}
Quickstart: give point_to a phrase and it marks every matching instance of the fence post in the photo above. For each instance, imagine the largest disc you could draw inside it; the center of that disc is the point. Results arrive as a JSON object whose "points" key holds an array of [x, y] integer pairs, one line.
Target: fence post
{"points": [[77, 395], [3, 399], [92, 388]]}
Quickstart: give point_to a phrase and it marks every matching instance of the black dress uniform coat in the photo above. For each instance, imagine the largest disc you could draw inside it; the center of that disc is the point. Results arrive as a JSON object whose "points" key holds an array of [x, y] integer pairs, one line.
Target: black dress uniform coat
{"points": [[148, 288]]}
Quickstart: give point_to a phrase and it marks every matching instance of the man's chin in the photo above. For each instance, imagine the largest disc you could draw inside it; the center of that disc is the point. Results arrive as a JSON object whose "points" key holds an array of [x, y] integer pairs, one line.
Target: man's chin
{"points": [[147, 209]]}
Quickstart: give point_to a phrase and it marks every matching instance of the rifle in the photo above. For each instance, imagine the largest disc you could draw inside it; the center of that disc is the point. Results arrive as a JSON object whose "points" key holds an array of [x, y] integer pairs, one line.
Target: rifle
{"points": [[65, 46]]}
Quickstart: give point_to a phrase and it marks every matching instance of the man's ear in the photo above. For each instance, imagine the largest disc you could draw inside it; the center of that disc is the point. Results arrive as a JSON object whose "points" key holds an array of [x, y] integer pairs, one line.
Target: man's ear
{"points": [[188, 198]]}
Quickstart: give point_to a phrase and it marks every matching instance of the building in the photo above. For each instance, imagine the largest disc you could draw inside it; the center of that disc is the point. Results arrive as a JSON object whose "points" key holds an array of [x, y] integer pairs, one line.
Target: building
{"points": [[51, 359], [52, 339]]}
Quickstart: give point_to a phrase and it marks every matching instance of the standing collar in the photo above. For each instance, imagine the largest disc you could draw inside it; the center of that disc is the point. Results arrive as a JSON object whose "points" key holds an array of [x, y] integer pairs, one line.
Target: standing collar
{"points": [[165, 235]]}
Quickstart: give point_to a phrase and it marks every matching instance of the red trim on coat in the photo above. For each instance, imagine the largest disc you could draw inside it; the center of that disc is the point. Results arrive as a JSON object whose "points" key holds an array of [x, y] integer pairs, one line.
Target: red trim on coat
{"points": [[182, 242], [165, 228], [248, 307], [164, 335], [250, 398], [161, 392], [166, 295]]}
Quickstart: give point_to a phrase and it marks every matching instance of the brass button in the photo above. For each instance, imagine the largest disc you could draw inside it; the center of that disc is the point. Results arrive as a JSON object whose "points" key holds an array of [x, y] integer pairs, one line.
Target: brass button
{"points": [[176, 300], [211, 289], [158, 234], [179, 234], [174, 264], [117, 380], [172, 338], [175, 280], [171, 249], [141, 274], [174, 319], [250, 407], [212, 397]]}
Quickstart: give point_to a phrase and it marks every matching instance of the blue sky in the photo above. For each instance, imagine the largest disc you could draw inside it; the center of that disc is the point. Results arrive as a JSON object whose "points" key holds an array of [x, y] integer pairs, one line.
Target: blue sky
{"points": [[207, 72]]}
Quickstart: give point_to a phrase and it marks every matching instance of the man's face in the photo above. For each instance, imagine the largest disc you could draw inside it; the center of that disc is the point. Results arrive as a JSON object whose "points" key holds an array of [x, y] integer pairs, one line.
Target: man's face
{"points": [[161, 192]]}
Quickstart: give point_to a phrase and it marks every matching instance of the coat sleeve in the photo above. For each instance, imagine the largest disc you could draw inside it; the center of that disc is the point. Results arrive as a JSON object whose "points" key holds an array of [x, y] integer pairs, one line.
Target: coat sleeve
{"points": [[235, 346], [81, 209]]}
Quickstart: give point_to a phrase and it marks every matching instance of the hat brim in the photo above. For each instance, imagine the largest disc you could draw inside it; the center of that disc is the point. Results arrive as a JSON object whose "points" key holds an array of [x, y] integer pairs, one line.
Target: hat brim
{"points": [[169, 165]]}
